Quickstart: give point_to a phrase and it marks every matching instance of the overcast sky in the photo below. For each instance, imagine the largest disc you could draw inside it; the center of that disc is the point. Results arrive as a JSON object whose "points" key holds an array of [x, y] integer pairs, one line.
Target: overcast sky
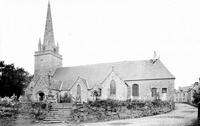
{"points": [[98, 31]]}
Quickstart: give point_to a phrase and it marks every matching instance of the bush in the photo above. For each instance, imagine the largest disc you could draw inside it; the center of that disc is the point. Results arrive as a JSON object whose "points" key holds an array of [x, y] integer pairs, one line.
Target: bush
{"points": [[112, 109], [66, 98]]}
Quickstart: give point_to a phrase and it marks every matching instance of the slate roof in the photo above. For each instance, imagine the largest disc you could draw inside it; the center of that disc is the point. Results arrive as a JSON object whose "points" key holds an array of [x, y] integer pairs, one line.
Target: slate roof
{"points": [[67, 85], [184, 89], [55, 84], [127, 70]]}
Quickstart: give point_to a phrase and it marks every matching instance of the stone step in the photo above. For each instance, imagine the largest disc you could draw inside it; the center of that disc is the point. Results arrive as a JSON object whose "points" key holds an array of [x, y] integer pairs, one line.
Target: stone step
{"points": [[62, 104], [58, 114], [59, 111], [60, 108], [47, 119], [52, 121]]}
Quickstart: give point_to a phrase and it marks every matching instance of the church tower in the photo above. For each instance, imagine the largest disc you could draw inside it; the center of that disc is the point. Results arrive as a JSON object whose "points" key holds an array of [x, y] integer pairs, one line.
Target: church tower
{"points": [[47, 58]]}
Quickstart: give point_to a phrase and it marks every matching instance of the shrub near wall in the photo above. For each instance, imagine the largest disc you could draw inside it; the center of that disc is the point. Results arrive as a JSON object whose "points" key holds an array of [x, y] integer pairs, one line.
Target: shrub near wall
{"points": [[36, 110], [105, 110], [8, 111]]}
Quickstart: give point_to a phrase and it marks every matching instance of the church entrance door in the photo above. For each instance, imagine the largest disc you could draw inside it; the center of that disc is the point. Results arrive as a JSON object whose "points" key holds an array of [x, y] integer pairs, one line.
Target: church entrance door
{"points": [[95, 95], [41, 96]]}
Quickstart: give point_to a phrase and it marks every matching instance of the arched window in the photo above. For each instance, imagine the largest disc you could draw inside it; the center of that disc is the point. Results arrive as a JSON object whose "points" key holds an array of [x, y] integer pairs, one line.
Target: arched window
{"points": [[112, 87], [78, 90], [135, 90], [95, 95]]}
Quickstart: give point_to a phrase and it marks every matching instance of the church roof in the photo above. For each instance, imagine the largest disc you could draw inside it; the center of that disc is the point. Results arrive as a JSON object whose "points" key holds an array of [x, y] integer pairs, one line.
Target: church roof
{"points": [[67, 85], [55, 84], [127, 70]]}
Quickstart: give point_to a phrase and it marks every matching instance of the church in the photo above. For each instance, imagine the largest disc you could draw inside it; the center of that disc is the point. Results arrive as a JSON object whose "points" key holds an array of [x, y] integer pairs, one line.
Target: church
{"points": [[138, 80]]}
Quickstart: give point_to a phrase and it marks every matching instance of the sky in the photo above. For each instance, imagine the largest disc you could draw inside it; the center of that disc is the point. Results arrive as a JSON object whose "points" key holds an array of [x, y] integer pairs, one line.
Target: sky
{"points": [[100, 31]]}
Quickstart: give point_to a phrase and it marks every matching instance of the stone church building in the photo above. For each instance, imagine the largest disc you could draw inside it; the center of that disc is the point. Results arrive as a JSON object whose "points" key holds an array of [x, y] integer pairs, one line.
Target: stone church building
{"points": [[141, 80]]}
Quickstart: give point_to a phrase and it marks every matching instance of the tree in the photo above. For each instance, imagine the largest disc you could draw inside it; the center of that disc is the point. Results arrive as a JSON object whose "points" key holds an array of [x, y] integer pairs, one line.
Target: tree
{"points": [[12, 80], [196, 101], [196, 96]]}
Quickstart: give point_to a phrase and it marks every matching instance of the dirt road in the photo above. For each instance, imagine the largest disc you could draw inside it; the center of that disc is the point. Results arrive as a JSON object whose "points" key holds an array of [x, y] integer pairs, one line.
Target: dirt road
{"points": [[183, 115]]}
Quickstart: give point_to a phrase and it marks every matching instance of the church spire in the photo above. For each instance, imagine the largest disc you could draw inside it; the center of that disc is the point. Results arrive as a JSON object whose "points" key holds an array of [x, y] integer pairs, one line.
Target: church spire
{"points": [[48, 42]]}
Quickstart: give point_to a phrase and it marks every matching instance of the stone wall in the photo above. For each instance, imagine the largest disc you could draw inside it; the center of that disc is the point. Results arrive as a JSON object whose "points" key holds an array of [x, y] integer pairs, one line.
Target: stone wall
{"points": [[145, 85], [46, 62], [121, 88], [84, 91], [39, 87]]}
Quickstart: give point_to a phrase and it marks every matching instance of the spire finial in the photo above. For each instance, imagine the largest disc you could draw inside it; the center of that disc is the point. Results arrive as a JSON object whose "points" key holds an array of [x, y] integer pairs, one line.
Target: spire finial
{"points": [[49, 3], [113, 68]]}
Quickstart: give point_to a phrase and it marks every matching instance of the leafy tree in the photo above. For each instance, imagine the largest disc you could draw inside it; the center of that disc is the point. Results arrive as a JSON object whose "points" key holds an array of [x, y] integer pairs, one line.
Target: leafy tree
{"points": [[12, 80], [196, 96]]}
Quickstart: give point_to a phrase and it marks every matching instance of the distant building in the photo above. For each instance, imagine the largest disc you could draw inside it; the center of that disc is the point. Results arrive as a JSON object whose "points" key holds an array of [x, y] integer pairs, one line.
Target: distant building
{"points": [[141, 80], [185, 94], [182, 95]]}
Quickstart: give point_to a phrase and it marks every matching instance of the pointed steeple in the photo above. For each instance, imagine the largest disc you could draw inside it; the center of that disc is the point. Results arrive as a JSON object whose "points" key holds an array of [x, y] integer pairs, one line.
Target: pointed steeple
{"points": [[48, 41]]}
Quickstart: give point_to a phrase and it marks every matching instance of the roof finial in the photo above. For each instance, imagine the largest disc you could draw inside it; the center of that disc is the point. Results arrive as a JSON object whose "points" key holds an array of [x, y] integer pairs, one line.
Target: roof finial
{"points": [[113, 68], [49, 3], [155, 58]]}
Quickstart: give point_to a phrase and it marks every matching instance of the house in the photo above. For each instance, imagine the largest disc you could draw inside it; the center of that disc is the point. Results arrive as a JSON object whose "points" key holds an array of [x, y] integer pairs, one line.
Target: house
{"points": [[186, 94], [182, 94], [139, 80]]}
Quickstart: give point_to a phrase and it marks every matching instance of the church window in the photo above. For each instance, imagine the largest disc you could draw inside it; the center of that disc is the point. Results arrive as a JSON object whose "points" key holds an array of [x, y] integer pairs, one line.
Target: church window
{"points": [[135, 90], [99, 91], [154, 92], [112, 87], [164, 90], [78, 90]]}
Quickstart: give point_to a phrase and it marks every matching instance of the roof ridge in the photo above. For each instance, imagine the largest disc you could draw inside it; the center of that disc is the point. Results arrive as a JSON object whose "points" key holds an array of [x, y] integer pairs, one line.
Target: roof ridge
{"points": [[103, 63]]}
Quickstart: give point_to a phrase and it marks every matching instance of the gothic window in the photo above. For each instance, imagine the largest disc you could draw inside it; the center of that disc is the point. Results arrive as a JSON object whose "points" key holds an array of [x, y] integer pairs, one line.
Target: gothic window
{"points": [[31, 89], [78, 90], [164, 90], [135, 90], [154, 91], [112, 87], [99, 91]]}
